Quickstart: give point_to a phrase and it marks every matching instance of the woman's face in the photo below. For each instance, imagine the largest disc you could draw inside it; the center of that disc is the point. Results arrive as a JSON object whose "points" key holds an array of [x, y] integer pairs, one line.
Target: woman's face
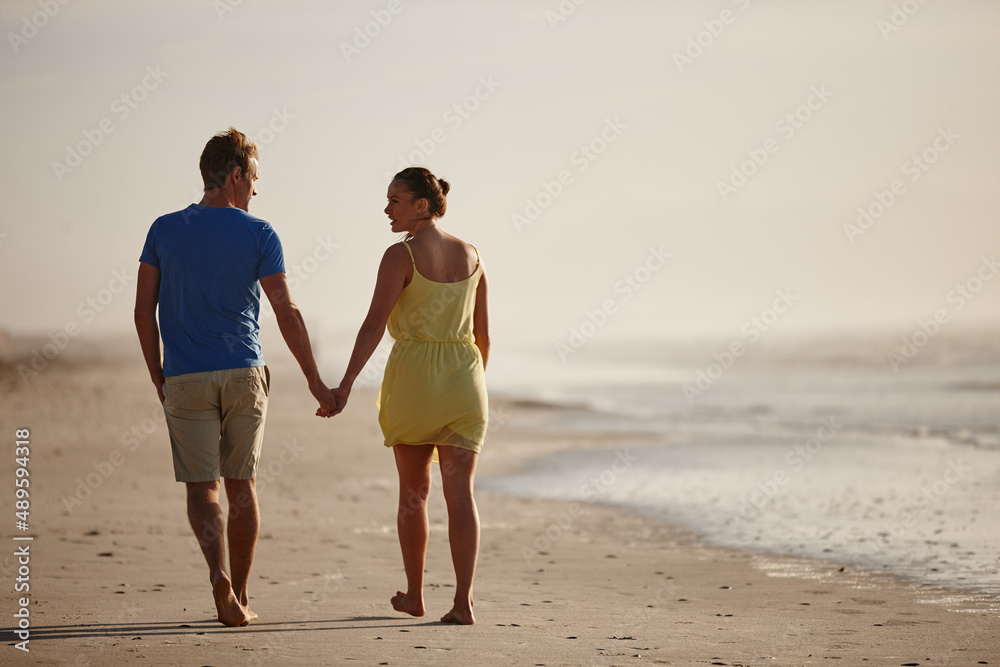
{"points": [[403, 209]]}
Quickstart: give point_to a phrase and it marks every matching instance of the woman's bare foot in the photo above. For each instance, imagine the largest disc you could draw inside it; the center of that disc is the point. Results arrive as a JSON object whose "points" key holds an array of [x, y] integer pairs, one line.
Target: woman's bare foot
{"points": [[231, 612], [459, 615], [402, 602]]}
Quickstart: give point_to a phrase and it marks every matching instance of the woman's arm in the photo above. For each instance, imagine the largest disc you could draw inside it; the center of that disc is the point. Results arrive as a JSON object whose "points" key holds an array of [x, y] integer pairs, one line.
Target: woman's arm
{"points": [[392, 277], [481, 320]]}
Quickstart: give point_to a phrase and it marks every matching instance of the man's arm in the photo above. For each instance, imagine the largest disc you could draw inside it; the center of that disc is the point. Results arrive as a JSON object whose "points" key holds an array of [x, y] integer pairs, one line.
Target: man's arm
{"points": [[293, 330], [147, 296]]}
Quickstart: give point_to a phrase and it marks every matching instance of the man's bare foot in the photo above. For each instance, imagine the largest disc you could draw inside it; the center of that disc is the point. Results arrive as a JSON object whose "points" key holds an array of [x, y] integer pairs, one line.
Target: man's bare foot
{"points": [[402, 602], [245, 603], [231, 612], [461, 616]]}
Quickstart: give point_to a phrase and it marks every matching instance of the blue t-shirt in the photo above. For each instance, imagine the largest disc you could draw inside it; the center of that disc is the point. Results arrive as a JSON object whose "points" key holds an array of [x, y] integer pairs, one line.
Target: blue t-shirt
{"points": [[210, 262]]}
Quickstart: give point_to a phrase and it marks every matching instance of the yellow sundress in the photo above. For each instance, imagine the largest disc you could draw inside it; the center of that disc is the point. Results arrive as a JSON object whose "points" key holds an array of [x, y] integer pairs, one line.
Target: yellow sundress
{"points": [[434, 388]]}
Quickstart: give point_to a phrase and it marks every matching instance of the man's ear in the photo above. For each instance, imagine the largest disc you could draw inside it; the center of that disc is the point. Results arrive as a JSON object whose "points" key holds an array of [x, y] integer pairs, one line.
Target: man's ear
{"points": [[236, 173]]}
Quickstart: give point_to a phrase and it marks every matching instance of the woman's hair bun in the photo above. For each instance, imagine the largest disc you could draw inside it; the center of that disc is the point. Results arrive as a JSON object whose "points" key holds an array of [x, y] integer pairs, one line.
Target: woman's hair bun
{"points": [[425, 185]]}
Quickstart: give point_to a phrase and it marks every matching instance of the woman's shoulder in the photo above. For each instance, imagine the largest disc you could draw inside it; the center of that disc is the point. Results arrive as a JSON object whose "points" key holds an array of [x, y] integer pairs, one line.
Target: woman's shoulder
{"points": [[443, 257], [443, 245], [460, 245], [398, 253], [398, 248]]}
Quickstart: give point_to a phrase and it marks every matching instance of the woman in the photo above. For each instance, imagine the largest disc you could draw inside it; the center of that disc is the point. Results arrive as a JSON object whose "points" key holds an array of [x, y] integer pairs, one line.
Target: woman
{"points": [[431, 291]]}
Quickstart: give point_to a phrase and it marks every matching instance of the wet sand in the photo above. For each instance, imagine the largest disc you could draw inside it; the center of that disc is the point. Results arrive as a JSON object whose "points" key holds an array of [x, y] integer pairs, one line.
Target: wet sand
{"points": [[116, 577]]}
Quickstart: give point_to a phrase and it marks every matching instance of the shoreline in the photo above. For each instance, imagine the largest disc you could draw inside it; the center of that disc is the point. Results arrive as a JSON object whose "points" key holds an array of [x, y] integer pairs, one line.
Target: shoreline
{"points": [[610, 442], [578, 449], [116, 578]]}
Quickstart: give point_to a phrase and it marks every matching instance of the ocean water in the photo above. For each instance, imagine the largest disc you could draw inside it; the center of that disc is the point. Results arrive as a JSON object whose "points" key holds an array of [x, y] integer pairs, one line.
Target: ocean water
{"points": [[819, 450]]}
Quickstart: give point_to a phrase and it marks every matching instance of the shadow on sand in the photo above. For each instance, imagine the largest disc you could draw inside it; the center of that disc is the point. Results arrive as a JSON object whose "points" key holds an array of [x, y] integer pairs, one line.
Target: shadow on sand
{"points": [[184, 628]]}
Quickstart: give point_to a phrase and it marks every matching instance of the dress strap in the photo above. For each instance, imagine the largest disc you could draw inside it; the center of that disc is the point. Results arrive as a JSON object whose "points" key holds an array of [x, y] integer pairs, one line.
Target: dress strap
{"points": [[413, 261], [477, 254]]}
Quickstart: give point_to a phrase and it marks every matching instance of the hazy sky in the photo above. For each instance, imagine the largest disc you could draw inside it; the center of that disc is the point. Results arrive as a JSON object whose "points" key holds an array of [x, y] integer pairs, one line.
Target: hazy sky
{"points": [[640, 109]]}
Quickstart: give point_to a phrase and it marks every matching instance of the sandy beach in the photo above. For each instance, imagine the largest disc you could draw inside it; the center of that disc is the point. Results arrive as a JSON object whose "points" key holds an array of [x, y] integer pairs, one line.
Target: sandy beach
{"points": [[116, 577], [742, 305]]}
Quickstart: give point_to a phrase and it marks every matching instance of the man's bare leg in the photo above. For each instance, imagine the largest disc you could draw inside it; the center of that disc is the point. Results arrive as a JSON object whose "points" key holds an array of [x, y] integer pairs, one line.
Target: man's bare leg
{"points": [[458, 471], [413, 462], [205, 515], [243, 529]]}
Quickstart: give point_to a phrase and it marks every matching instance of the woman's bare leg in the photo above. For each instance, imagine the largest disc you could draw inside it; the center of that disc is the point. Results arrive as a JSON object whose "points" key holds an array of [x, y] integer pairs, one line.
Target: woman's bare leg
{"points": [[458, 471], [413, 463]]}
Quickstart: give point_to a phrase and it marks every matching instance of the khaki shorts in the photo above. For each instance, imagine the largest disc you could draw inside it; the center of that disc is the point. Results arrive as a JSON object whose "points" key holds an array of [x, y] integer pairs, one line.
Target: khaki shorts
{"points": [[216, 422]]}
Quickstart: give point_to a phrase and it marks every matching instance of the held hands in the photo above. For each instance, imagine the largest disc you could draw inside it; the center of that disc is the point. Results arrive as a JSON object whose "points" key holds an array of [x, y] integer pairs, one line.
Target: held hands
{"points": [[326, 398], [340, 395]]}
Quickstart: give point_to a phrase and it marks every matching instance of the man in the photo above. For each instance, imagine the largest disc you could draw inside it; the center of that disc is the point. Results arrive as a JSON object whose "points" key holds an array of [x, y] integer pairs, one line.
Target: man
{"points": [[204, 267]]}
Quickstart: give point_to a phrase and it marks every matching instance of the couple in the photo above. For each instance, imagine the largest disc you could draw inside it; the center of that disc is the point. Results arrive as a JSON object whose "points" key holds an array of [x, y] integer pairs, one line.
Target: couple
{"points": [[204, 268]]}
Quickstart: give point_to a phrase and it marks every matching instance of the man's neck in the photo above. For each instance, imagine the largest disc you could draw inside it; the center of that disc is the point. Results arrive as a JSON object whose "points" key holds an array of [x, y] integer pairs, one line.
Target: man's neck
{"points": [[217, 198]]}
